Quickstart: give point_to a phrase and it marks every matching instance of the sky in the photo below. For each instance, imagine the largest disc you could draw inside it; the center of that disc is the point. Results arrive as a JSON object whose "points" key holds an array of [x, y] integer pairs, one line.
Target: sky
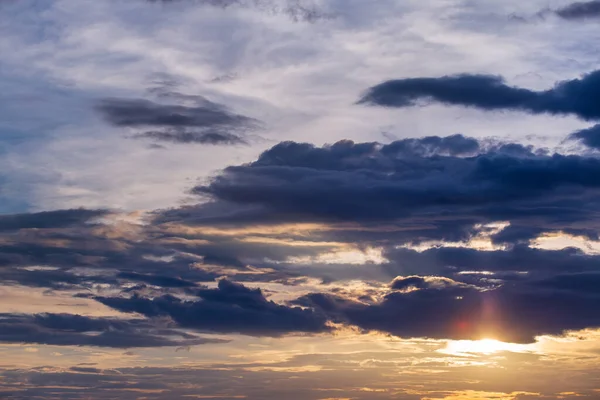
{"points": [[299, 199]]}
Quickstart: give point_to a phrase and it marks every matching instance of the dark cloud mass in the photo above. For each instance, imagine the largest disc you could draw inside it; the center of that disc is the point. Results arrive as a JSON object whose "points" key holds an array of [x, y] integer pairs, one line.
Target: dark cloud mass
{"points": [[230, 308], [439, 187], [48, 219], [204, 123], [353, 196], [589, 137], [580, 10], [579, 97], [441, 308]]}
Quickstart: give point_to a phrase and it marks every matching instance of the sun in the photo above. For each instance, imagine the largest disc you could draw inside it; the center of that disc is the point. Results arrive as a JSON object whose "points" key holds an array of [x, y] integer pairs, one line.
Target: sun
{"points": [[483, 346]]}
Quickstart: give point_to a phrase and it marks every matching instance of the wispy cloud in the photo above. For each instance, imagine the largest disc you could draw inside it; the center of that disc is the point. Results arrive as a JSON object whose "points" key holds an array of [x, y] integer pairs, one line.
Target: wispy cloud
{"points": [[77, 330], [205, 123]]}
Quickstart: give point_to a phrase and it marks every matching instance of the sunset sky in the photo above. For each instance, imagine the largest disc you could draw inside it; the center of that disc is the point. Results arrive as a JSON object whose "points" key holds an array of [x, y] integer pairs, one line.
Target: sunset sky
{"points": [[299, 199]]}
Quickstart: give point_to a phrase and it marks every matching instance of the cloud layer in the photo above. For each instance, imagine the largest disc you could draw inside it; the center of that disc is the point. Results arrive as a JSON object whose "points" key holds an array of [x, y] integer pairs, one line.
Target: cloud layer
{"points": [[77, 330], [279, 219]]}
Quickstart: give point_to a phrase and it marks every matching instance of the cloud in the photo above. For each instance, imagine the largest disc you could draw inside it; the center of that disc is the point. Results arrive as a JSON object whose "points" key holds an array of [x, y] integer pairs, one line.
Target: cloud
{"points": [[204, 123], [420, 282], [230, 308], [59, 252], [589, 137], [578, 97], [420, 189], [514, 313], [183, 136], [63, 250], [157, 280], [345, 197], [580, 10], [451, 260], [296, 10], [48, 219], [77, 330]]}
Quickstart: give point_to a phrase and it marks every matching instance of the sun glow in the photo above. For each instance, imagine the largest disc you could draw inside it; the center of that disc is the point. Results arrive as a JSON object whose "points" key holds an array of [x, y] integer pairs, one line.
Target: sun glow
{"points": [[484, 346]]}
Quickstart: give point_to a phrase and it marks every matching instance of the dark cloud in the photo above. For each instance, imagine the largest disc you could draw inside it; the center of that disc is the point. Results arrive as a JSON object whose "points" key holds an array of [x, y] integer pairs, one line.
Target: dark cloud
{"points": [[472, 266], [81, 255], [51, 278], [362, 195], [427, 189], [586, 282], [580, 10], [158, 280], [77, 330], [419, 282], [230, 308], [579, 97], [48, 219], [450, 261], [589, 137], [205, 122], [183, 136], [138, 112], [513, 313]]}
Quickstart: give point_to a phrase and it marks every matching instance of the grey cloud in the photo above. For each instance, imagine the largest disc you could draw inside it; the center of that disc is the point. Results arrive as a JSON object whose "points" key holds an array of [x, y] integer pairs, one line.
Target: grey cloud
{"points": [[158, 280], [578, 97], [450, 261], [230, 308], [516, 263], [589, 137], [81, 255], [204, 122], [48, 219], [515, 313], [580, 10], [185, 136], [432, 188], [77, 330]]}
